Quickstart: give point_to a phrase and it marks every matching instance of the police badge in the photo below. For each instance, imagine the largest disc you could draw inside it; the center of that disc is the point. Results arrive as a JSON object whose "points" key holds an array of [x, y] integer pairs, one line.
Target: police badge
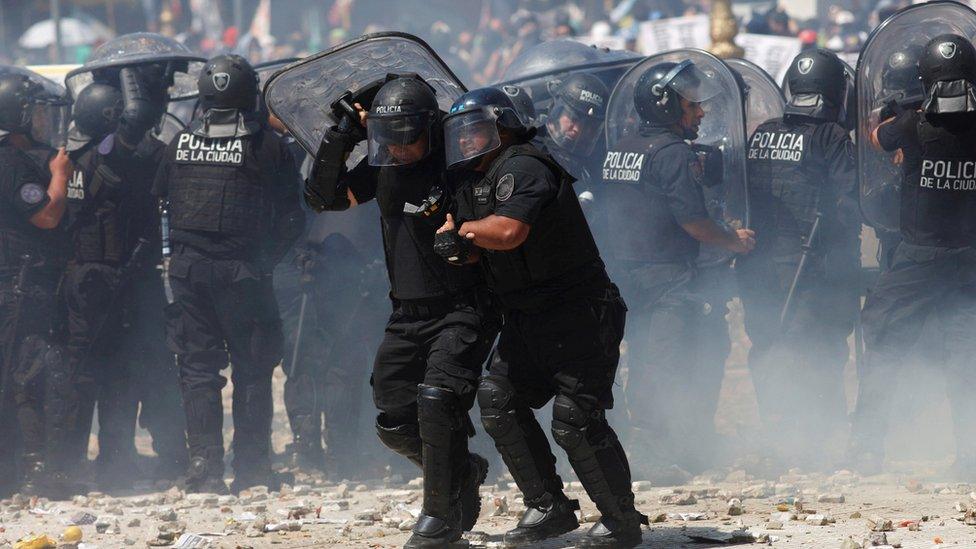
{"points": [[505, 187]]}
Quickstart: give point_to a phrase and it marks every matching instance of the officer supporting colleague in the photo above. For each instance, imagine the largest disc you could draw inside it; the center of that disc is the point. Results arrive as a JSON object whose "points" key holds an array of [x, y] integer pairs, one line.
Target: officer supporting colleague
{"points": [[112, 225], [442, 327], [663, 197], [31, 209], [232, 188], [799, 286], [519, 218], [932, 278]]}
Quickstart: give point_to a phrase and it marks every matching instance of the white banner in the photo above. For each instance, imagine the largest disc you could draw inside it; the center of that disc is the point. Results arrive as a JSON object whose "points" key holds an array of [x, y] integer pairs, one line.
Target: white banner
{"points": [[772, 53], [673, 33]]}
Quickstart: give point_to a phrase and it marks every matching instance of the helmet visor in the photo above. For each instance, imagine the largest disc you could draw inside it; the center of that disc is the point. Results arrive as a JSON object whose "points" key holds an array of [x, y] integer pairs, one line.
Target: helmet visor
{"points": [[49, 122], [469, 135], [572, 131], [398, 140], [696, 85]]}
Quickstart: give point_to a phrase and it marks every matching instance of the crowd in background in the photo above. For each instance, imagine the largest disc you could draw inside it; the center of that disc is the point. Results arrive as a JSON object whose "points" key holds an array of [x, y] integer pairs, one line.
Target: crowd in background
{"points": [[478, 43]]}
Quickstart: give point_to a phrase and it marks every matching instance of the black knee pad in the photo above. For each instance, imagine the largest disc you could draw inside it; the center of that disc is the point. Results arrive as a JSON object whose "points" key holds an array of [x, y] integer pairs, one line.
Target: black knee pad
{"points": [[403, 438], [571, 421], [496, 398], [439, 406]]}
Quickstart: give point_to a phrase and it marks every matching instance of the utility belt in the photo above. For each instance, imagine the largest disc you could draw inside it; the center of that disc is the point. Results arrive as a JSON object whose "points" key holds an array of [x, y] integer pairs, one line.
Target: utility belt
{"points": [[476, 297]]}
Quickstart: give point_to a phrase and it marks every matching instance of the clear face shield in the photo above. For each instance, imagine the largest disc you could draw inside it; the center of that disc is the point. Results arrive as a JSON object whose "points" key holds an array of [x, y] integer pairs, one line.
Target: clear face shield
{"points": [[469, 135], [573, 131], [49, 121], [398, 140], [695, 85]]}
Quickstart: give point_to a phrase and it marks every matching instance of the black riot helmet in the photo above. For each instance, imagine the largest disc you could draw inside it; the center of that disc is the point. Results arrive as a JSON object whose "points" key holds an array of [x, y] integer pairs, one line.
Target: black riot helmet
{"points": [[578, 110], [229, 82], [18, 94], [947, 68], [818, 85], [522, 101], [900, 73], [471, 128], [97, 109], [403, 113], [658, 92]]}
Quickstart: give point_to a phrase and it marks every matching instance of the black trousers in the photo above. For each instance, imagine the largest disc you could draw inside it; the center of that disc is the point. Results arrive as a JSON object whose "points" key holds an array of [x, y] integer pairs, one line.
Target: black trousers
{"points": [[225, 314], [440, 348], [664, 344], [799, 366], [926, 287], [38, 390]]}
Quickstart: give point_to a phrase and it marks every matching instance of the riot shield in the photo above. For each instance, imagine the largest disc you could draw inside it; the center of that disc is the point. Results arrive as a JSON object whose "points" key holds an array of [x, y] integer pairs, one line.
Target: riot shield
{"points": [[301, 95], [52, 111], [178, 67], [722, 128], [540, 67], [764, 99], [886, 84], [540, 71]]}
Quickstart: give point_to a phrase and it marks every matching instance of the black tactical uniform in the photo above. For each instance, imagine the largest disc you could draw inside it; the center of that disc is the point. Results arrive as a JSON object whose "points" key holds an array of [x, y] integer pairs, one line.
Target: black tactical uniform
{"points": [[34, 382], [564, 321], [802, 166], [231, 184], [442, 327], [932, 279], [112, 290]]}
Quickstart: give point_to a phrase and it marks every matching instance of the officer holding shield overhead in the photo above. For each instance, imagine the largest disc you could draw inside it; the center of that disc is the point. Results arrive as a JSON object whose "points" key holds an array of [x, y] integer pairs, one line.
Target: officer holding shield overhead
{"points": [[798, 287], [933, 274], [426, 369], [232, 187], [32, 372]]}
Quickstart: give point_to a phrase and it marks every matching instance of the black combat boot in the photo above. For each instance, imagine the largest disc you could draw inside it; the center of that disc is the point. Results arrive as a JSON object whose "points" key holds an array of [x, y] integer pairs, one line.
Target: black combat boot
{"points": [[444, 450], [306, 449], [546, 517], [204, 425], [601, 465]]}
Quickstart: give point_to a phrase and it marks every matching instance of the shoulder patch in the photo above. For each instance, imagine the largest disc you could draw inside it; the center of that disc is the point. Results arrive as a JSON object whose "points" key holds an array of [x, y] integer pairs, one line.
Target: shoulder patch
{"points": [[32, 193], [505, 187], [696, 168]]}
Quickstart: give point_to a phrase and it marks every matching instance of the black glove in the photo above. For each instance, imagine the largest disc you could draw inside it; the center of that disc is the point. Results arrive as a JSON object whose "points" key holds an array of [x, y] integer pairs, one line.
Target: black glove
{"points": [[452, 247]]}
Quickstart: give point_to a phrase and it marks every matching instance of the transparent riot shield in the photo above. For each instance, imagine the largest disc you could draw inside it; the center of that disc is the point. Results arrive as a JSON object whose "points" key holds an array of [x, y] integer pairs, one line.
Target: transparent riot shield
{"points": [[883, 89], [172, 63], [301, 95], [723, 126], [764, 99]]}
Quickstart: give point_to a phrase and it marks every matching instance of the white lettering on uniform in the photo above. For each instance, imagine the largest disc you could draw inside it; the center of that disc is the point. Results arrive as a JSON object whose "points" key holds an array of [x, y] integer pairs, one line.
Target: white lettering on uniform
{"points": [[204, 150], [619, 166], [948, 175], [776, 146], [76, 186]]}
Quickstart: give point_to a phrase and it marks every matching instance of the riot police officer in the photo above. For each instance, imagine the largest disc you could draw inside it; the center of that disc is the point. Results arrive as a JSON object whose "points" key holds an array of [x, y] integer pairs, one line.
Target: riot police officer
{"points": [[441, 329], [574, 124], [112, 226], [520, 220], [798, 287], [231, 184], [653, 190], [932, 280], [31, 259]]}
